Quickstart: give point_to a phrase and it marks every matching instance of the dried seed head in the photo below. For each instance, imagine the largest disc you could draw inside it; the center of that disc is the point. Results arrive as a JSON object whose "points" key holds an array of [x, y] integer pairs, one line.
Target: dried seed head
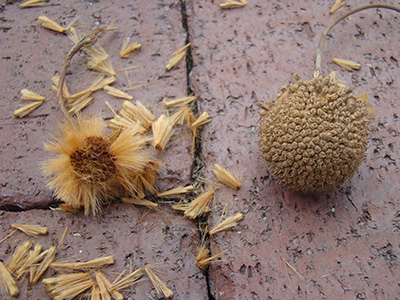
{"points": [[315, 135], [91, 168]]}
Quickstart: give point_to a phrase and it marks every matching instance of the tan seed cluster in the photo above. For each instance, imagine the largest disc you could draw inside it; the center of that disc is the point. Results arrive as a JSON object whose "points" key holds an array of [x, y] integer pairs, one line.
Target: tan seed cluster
{"points": [[315, 135]]}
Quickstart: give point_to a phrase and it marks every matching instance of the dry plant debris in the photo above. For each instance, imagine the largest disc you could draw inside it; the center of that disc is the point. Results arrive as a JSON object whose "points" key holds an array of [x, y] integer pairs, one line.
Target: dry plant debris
{"points": [[28, 95], [68, 286], [199, 206], [162, 132], [55, 79], [159, 285], [346, 64], [47, 23], [95, 263], [229, 222], [26, 110], [127, 49], [117, 93], [226, 177], [338, 4], [137, 112], [30, 263], [122, 283], [176, 191], [203, 259], [179, 103], [200, 121], [178, 56], [181, 115], [232, 4], [7, 283], [31, 230], [292, 268], [33, 3], [103, 67], [138, 201]]}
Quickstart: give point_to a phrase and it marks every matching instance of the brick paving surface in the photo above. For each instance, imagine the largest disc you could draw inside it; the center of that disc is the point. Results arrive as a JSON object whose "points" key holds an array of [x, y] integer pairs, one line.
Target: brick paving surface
{"points": [[343, 243]]}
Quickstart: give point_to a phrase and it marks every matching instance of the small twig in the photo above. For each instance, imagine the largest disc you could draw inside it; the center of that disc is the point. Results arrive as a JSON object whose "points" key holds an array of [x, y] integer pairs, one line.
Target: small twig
{"points": [[317, 70], [87, 40]]}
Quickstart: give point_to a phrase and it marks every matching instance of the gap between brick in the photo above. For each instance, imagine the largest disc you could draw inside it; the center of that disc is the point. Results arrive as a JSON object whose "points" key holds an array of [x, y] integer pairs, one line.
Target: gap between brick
{"points": [[198, 163]]}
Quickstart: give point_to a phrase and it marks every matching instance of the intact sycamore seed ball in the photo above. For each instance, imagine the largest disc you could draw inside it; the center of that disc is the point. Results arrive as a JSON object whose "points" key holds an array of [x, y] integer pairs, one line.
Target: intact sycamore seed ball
{"points": [[315, 135]]}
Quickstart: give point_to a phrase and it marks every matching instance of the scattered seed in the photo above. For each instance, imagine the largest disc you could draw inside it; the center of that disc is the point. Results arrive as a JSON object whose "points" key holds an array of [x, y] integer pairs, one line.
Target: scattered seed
{"points": [[31, 230], [346, 64], [159, 285], [116, 93], [226, 177], [229, 222], [338, 4], [232, 4], [127, 49]]}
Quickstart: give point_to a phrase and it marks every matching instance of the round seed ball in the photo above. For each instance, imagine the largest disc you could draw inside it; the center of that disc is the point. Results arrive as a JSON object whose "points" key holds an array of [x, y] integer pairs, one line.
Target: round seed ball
{"points": [[315, 135]]}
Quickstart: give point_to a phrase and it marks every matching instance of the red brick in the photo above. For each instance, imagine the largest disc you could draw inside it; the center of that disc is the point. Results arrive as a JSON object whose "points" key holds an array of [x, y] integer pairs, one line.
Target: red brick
{"points": [[132, 235], [242, 57], [30, 55]]}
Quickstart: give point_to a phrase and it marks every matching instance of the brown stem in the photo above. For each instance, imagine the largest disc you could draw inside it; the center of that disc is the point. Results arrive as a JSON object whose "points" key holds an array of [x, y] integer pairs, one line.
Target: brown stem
{"points": [[87, 40], [317, 70]]}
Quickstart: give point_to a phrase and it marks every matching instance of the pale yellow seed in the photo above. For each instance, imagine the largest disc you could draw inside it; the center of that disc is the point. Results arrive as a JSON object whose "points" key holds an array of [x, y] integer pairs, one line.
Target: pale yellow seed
{"points": [[117, 93], [232, 4], [346, 64], [26, 110], [338, 4], [33, 3], [50, 24]]}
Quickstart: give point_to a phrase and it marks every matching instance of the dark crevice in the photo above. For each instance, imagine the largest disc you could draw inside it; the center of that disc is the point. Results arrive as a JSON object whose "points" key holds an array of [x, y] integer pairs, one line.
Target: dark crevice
{"points": [[197, 169], [16, 208]]}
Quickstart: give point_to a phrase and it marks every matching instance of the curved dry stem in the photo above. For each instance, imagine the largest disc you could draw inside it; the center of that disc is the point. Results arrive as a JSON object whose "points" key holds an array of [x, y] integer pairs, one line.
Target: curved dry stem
{"points": [[317, 70], [87, 40]]}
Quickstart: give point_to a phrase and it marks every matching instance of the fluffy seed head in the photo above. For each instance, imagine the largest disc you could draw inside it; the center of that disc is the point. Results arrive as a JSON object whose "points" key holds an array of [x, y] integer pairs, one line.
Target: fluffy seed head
{"points": [[90, 167], [315, 135]]}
